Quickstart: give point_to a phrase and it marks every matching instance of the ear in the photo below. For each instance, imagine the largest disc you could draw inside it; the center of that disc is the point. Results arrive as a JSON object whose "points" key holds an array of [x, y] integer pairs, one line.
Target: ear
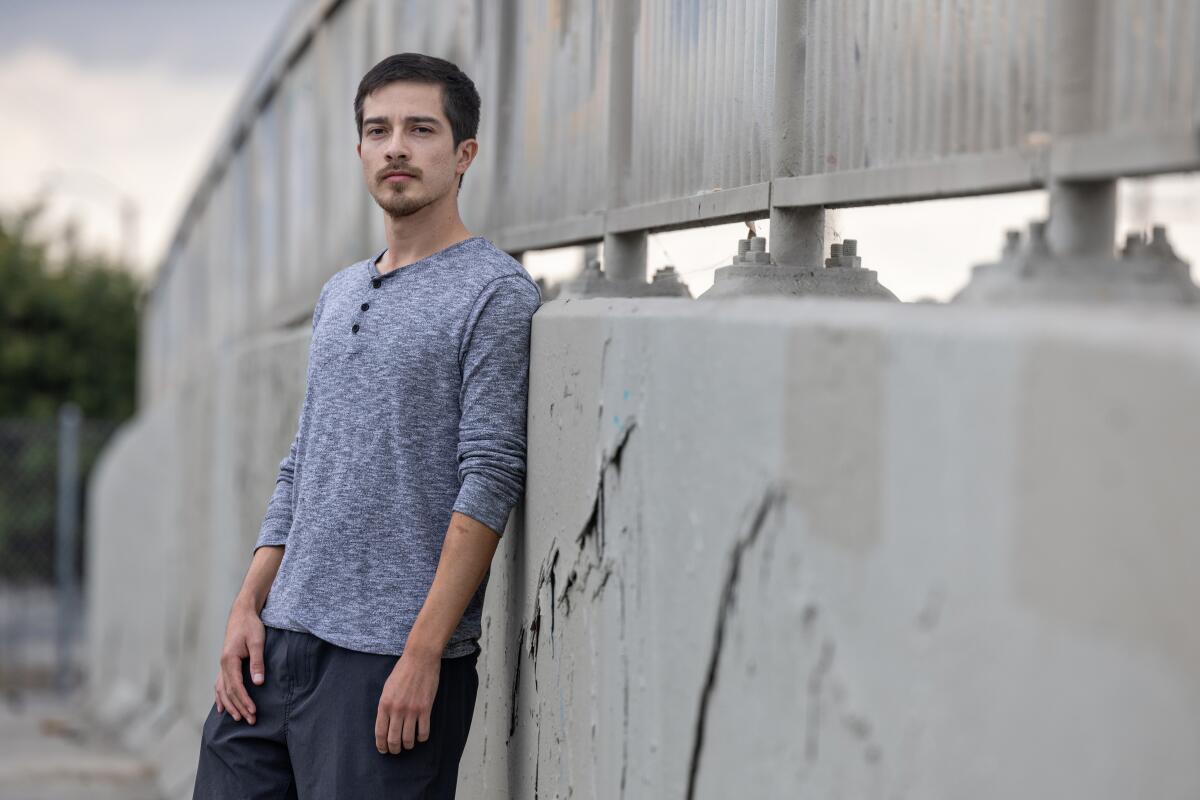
{"points": [[467, 150], [358, 149]]}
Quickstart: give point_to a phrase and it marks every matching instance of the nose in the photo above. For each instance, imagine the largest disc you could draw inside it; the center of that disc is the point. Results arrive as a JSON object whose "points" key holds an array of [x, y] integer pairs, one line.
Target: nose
{"points": [[397, 147]]}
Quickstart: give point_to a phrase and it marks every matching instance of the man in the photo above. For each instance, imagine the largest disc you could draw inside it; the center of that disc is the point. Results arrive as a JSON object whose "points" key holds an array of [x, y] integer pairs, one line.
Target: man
{"points": [[348, 668]]}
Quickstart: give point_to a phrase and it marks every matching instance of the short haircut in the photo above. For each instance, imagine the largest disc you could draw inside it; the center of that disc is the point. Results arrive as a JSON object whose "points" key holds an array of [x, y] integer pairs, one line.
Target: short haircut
{"points": [[460, 100]]}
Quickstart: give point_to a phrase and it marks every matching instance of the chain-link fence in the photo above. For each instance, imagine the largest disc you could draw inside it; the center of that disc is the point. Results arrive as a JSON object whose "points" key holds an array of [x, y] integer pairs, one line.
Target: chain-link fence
{"points": [[44, 467]]}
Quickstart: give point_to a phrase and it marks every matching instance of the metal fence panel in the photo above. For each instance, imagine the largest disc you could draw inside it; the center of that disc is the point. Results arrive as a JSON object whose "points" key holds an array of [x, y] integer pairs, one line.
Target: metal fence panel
{"points": [[343, 55], [899, 83], [266, 160], [703, 82], [242, 267], [556, 153], [303, 192], [221, 289], [1148, 76]]}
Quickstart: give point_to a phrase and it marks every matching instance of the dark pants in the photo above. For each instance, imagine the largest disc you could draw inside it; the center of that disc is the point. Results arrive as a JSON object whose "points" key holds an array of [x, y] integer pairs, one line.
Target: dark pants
{"points": [[314, 732]]}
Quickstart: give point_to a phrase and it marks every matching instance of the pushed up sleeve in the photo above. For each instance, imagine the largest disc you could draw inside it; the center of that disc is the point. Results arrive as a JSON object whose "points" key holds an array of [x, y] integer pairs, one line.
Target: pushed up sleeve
{"points": [[278, 519], [493, 400]]}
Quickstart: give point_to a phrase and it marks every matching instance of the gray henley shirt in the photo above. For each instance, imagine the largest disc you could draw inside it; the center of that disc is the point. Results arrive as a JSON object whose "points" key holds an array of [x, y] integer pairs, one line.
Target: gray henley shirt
{"points": [[414, 407]]}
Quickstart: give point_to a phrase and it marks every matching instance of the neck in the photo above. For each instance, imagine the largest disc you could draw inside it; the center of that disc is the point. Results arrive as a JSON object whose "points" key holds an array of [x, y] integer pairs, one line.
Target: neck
{"points": [[421, 234]]}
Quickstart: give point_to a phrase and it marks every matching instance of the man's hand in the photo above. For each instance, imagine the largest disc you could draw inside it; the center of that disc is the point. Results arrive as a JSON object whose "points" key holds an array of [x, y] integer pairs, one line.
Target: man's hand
{"points": [[406, 702], [244, 637], [407, 697]]}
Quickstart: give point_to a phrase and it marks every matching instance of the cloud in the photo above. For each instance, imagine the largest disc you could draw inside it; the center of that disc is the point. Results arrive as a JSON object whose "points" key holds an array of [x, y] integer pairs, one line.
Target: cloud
{"points": [[90, 133]]}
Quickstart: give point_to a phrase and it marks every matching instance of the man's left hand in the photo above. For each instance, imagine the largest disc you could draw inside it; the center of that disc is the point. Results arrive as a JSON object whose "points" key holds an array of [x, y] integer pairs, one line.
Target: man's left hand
{"points": [[406, 702]]}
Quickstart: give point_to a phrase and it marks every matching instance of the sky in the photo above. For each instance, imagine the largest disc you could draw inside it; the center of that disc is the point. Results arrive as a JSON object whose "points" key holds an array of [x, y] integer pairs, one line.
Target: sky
{"points": [[108, 106]]}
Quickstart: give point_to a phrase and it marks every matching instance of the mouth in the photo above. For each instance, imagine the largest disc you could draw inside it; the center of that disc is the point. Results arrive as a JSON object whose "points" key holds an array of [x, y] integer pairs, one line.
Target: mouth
{"points": [[398, 177]]}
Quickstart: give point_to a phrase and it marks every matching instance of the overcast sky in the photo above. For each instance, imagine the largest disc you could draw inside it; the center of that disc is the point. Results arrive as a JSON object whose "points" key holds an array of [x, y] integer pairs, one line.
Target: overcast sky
{"points": [[104, 99]]}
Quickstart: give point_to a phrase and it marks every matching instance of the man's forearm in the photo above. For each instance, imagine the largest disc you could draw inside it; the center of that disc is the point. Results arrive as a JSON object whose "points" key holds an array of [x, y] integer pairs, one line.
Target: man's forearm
{"points": [[466, 554], [259, 577]]}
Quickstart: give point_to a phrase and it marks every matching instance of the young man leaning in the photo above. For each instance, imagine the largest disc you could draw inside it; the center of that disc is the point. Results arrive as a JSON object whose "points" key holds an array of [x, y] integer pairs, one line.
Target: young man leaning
{"points": [[348, 668]]}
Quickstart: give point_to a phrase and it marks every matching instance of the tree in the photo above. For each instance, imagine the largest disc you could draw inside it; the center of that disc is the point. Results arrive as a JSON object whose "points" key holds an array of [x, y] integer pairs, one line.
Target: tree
{"points": [[68, 328], [68, 332]]}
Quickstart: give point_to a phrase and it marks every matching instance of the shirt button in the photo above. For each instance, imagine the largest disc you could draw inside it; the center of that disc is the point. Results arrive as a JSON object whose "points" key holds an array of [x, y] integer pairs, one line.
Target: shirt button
{"points": [[376, 283], [365, 306], [354, 328]]}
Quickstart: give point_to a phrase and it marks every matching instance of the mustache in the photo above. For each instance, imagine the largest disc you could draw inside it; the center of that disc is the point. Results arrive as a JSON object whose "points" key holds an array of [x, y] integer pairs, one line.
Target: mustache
{"points": [[416, 173]]}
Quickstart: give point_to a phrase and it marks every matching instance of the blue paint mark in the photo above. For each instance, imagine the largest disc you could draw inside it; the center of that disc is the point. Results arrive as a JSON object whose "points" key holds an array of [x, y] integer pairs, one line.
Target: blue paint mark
{"points": [[616, 420], [626, 394]]}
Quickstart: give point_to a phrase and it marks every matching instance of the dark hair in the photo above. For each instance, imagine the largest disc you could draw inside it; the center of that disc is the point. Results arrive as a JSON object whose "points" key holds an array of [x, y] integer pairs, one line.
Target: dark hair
{"points": [[460, 100]]}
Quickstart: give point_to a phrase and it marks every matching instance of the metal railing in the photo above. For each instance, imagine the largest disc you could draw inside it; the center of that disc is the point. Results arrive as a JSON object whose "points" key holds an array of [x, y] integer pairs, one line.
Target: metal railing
{"points": [[618, 119]]}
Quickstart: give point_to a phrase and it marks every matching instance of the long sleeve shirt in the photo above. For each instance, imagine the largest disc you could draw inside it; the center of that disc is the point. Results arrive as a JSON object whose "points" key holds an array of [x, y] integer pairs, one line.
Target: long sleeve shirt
{"points": [[415, 406]]}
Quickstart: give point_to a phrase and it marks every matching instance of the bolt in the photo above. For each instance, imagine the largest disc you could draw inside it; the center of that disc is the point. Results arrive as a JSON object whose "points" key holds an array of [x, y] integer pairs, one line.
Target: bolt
{"points": [[1159, 243], [850, 247], [1134, 243], [1012, 241], [1158, 234], [743, 246], [758, 245], [1037, 238], [666, 275]]}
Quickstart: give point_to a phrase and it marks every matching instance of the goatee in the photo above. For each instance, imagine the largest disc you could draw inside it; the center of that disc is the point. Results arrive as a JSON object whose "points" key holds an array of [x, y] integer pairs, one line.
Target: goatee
{"points": [[398, 206]]}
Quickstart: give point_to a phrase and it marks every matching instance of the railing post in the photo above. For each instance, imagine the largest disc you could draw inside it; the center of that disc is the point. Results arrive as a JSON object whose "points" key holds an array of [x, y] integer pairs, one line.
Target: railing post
{"points": [[797, 233], [624, 253], [1083, 214], [66, 538]]}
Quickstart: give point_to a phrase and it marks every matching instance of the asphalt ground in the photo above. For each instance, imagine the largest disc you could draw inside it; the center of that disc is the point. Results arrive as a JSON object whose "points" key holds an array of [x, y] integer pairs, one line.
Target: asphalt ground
{"points": [[46, 753]]}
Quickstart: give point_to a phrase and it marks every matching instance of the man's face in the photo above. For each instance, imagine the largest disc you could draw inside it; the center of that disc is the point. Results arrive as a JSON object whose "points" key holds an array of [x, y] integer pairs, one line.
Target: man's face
{"points": [[407, 148]]}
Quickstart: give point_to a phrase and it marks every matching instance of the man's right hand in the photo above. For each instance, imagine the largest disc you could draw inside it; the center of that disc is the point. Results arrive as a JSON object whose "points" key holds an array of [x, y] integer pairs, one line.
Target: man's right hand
{"points": [[244, 637]]}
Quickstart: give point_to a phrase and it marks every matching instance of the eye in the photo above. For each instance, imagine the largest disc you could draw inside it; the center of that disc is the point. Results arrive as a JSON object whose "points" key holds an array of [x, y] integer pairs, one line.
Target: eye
{"points": [[373, 131], [423, 129]]}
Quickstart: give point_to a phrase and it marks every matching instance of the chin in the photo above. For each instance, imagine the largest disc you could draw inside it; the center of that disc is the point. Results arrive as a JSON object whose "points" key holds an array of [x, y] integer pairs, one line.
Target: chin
{"points": [[402, 207]]}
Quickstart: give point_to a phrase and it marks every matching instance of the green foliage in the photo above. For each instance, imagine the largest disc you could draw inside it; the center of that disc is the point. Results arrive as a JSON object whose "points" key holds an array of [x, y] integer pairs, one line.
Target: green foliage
{"points": [[68, 328]]}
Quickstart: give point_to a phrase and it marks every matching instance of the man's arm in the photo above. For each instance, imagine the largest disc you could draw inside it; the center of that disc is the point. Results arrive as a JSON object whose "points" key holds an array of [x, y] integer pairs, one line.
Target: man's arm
{"points": [[491, 468], [407, 698], [245, 634], [466, 554]]}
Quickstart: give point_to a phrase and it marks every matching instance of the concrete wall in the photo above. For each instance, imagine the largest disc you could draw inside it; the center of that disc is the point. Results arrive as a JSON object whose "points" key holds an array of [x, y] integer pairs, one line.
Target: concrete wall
{"points": [[769, 548]]}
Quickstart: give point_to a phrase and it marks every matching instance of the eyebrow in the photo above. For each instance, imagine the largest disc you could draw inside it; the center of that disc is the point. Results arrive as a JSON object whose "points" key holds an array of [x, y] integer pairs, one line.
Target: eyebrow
{"points": [[407, 120]]}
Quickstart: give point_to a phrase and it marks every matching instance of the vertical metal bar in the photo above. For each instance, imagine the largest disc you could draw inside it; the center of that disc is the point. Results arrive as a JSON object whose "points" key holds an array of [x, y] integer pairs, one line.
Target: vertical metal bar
{"points": [[624, 253], [67, 537], [797, 234], [501, 214], [1082, 213]]}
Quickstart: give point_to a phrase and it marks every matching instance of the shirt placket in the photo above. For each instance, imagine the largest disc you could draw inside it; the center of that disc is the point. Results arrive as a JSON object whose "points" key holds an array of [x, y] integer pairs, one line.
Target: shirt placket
{"points": [[361, 320]]}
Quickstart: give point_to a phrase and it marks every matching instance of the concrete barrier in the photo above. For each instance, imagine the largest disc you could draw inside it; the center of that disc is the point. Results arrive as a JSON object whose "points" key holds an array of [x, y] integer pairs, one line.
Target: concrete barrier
{"points": [[769, 548]]}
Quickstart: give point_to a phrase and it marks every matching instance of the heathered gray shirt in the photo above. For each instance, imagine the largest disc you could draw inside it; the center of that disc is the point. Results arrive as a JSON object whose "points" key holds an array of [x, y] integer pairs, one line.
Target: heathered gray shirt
{"points": [[415, 406]]}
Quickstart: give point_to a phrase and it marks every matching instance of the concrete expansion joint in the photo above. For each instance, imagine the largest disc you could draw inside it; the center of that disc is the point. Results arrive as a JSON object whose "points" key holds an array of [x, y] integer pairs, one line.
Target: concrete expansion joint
{"points": [[754, 272], [1146, 270]]}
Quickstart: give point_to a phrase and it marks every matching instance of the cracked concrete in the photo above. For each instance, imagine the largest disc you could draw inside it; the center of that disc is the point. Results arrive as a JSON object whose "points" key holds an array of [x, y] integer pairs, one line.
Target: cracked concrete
{"points": [[852, 632], [728, 598]]}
